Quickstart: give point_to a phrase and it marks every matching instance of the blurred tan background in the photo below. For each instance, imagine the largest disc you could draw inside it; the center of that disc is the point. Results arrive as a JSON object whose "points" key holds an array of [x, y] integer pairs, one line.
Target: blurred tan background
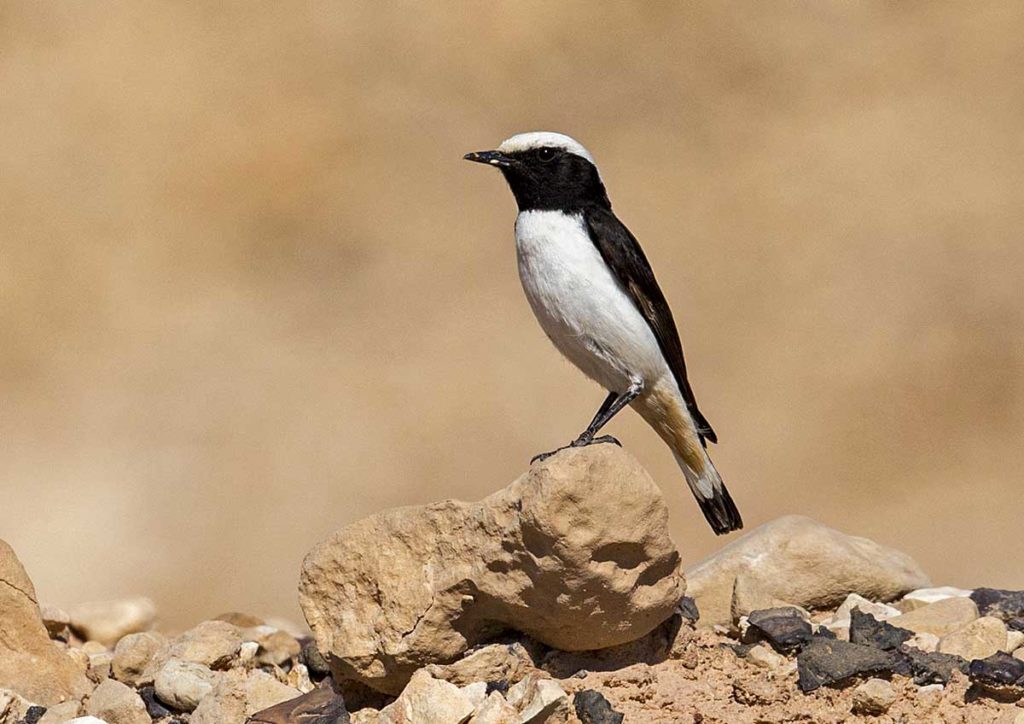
{"points": [[251, 292]]}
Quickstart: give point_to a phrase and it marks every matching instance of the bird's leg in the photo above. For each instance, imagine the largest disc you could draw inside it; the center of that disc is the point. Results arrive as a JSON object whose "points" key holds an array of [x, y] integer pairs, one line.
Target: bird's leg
{"points": [[609, 409]]}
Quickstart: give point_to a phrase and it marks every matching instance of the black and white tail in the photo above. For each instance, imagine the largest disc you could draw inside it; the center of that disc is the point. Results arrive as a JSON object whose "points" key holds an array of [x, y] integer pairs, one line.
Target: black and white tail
{"points": [[712, 496]]}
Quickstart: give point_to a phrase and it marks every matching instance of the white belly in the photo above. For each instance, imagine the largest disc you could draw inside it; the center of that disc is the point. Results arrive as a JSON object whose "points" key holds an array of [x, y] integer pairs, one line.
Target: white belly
{"points": [[580, 305]]}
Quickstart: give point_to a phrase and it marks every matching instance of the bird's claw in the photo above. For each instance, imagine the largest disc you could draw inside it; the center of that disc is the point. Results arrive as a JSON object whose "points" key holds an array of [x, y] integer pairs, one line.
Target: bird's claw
{"points": [[578, 442]]}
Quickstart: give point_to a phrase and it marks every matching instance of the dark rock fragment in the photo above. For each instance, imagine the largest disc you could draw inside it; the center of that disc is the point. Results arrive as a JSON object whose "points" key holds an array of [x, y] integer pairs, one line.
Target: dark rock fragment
{"points": [[1017, 624], [320, 706], [310, 655], [784, 628], [34, 714], [865, 629], [499, 686], [593, 708], [688, 609], [154, 708], [999, 603], [1000, 673], [824, 662], [928, 667]]}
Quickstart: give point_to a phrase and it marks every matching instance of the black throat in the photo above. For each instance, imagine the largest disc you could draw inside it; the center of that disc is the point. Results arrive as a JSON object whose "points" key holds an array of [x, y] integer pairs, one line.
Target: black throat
{"points": [[568, 183]]}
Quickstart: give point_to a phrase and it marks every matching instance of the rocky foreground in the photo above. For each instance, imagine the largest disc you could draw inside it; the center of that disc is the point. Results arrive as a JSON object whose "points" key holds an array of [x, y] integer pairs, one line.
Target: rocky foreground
{"points": [[560, 598]]}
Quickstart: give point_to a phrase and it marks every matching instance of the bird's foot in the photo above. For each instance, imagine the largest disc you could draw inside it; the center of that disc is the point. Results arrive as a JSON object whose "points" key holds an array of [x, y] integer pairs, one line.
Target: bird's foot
{"points": [[581, 441]]}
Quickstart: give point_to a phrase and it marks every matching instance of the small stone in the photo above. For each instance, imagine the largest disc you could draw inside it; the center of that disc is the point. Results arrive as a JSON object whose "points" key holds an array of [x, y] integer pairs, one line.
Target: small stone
{"points": [[100, 666], [13, 707], [873, 697], [183, 684], [925, 596], [688, 609], [428, 699], [998, 602], [247, 653], [1015, 624], [764, 657], [749, 594], [824, 662], [592, 708], [929, 668], [61, 713], [214, 644], [475, 692], [108, 621], [86, 720], [939, 618], [57, 622], [998, 673], [133, 655], [116, 703], [241, 620], [785, 629], [880, 611], [154, 708], [1019, 654], [310, 656], [865, 629], [536, 698], [1014, 640], [495, 710], [276, 646], [93, 647], [494, 662], [977, 640], [367, 715], [298, 678], [924, 642], [238, 694], [930, 689], [319, 706]]}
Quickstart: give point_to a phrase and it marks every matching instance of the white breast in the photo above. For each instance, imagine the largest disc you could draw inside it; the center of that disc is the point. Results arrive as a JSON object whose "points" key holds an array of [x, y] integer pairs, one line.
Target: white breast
{"points": [[580, 304]]}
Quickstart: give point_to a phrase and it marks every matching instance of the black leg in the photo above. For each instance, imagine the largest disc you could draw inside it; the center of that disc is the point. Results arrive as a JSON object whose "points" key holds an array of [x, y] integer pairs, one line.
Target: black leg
{"points": [[609, 409]]}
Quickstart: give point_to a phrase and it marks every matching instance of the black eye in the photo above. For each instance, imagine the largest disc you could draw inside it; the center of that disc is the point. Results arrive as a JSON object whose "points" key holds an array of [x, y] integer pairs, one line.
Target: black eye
{"points": [[546, 154]]}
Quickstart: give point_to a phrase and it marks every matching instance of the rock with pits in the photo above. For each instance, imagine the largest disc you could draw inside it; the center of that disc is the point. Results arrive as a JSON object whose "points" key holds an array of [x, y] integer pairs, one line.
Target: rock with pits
{"points": [[31, 665], [804, 563], [576, 554], [825, 662], [592, 708], [108, 621]]}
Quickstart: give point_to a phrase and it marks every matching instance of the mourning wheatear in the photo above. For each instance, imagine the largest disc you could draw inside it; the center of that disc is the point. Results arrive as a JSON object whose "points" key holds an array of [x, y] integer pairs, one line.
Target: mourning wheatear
{"points": [[594, 294]]}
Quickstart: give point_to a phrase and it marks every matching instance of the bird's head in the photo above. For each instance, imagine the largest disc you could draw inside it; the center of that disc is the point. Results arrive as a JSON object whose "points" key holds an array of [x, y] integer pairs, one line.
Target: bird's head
{"points": [[547, 171]]}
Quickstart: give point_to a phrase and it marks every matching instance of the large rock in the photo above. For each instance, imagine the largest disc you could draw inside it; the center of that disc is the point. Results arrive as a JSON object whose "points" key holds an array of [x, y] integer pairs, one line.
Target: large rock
{"points": [[803, 563], [30, 664], [576, 553]]}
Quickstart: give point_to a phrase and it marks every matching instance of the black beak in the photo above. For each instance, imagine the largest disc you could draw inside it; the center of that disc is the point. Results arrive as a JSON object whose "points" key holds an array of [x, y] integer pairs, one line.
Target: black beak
{"points": [[494, 158]]}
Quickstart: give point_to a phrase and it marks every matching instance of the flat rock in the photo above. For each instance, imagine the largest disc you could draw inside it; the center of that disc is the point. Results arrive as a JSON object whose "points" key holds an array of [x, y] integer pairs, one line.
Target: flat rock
{"points": [[108, 621], [923, 596], [869, 631], [998, 602], [117, 703], [238, 694], [426, 699], [825, 662], [319, 706], [939, 618], [804, 563], [30, 664], [785, 629], [977, 640], [213, 644], [873, 697], [592, 708], [576, 554]]}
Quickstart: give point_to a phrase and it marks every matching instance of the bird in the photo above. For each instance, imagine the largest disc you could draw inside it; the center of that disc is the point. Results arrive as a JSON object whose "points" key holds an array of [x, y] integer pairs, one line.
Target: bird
{"points": [[595, 296]]}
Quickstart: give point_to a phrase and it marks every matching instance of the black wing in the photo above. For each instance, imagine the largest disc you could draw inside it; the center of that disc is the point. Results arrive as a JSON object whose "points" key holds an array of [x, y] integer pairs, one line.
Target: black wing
{"points": [[622, 253]]}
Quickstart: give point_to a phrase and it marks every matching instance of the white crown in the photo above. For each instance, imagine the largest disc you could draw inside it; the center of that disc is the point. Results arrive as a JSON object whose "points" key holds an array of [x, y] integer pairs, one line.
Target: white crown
{"points": [[539, 139]]}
